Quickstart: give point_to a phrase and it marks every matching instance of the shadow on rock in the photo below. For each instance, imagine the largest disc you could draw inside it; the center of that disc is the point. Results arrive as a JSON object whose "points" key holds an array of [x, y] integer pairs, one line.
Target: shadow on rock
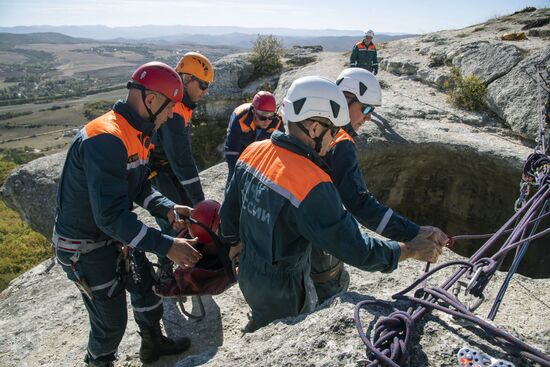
{"points": [[206, 334], [385, 128]]}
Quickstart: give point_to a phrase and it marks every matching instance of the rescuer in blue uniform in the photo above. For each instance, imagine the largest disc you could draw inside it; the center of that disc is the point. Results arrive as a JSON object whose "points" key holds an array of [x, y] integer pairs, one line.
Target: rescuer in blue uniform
{"points": [[98, 240], [280, 200], [363, 94], [248, 123]]}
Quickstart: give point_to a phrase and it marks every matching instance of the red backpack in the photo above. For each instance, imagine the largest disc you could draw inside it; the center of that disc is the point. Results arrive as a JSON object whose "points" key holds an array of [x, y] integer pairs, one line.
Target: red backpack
{"points": [[212, 274]]}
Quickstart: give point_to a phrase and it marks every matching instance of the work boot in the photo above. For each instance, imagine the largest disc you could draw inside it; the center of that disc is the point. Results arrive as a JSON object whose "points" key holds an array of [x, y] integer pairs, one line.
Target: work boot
{"points": [[250, 326], [90, 362], [154, 344]]}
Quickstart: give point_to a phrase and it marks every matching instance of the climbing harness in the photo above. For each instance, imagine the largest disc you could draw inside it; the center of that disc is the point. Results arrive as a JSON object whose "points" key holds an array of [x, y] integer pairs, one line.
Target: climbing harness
{"points": [[392, 334], [76, 247]]}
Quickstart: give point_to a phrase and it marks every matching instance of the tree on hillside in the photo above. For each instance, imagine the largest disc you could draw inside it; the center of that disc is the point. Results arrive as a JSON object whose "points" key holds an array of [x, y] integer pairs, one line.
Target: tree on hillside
{"points": [[266, 55]]}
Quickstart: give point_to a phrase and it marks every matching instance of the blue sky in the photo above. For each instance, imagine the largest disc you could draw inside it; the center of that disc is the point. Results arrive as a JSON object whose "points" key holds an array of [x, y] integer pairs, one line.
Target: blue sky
{"points": [[382, 16]]}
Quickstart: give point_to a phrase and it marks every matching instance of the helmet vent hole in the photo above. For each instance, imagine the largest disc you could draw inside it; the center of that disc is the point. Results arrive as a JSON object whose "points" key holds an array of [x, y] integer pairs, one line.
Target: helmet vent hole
{"points": [[298, 105], [362, 88], [335, 108], [339, 81]]}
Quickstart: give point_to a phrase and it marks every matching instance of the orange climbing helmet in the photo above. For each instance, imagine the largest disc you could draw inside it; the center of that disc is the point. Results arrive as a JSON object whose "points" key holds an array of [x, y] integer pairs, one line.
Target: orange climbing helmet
{"points": [[198, 65]]}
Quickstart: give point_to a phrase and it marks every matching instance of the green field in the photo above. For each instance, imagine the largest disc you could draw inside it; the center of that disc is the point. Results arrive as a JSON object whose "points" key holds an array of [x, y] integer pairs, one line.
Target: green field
{"points": [[50, 86], [47, 80], [20, 247]]}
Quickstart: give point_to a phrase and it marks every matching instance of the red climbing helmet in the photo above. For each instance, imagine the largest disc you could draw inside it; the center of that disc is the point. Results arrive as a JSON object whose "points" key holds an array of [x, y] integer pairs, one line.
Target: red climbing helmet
{"points": [[264, 101], [214, 272], [206, 212], [160, 78]]}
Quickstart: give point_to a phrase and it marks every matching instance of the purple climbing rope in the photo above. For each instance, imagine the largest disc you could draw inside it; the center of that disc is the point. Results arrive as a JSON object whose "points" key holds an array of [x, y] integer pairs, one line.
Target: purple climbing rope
{"points": [[392, 334]]}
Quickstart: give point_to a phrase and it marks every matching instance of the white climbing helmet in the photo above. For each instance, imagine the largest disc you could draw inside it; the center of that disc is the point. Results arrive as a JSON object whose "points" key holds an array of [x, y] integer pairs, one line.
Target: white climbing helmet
{"points": [[369, 33], [314, 96], [361, 83]]}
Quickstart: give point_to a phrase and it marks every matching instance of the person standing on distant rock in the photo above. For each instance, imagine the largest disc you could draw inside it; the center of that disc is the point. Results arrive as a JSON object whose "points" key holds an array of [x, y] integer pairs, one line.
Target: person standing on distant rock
{"points": [[363, 94], [364, 54], [98, 240], [280, 200], [248, 123]]}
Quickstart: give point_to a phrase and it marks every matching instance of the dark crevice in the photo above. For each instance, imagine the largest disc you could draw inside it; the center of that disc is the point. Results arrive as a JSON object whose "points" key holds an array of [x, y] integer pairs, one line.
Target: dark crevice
{"points": [[455, 188]]}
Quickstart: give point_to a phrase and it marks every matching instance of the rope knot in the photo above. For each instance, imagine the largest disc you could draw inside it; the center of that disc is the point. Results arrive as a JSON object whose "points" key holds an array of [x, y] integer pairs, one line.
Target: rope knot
{"points": [[391, 338]]}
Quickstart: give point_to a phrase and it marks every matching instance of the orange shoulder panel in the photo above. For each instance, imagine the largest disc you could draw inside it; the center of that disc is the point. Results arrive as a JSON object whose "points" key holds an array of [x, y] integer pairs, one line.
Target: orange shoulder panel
{"points": [[340, 137], [241, 113], [372, 47], [184, 112], [277, 125], [280, 168], [114, 124]]}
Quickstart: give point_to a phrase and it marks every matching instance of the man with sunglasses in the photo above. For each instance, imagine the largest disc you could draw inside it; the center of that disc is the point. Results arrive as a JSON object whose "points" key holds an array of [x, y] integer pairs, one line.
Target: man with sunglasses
{"points": [[250, 122], [280, 200], [363, 94], [173, 169]]}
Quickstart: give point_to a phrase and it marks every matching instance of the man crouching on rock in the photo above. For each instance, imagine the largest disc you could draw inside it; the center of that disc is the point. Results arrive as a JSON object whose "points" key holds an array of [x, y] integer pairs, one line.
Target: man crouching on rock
{"points": [[280, 200], [99, 242]]}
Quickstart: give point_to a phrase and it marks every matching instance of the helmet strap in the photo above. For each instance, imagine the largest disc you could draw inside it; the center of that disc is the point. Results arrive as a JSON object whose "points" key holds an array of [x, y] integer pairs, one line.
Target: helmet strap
{"points": [[153, 116], [318, 140]]}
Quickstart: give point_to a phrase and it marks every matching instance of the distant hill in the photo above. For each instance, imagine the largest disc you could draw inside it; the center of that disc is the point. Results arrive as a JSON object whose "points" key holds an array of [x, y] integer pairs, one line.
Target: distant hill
{"points": [[100, 32], [242, 40], [9, 40], [239, 37]]}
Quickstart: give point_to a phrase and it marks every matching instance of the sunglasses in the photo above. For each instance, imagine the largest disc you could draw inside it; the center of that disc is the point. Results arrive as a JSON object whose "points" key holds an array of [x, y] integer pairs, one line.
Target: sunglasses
{"points": [[333, 129], [365, 108], [202, 84], [263, 116]]}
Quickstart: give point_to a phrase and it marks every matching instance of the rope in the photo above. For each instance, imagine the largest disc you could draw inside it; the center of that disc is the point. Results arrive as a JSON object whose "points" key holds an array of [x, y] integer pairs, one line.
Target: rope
{"points": [[392, 334], [514, 267]]}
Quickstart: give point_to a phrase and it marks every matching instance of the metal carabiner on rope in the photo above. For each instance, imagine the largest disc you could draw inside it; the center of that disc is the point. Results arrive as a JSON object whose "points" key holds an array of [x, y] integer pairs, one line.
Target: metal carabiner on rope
{"points": [[470, 306], [523, 193]]}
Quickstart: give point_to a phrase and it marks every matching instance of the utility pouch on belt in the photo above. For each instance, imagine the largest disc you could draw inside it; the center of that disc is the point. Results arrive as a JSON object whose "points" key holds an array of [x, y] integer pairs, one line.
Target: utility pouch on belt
{"points": [[330, 274]]}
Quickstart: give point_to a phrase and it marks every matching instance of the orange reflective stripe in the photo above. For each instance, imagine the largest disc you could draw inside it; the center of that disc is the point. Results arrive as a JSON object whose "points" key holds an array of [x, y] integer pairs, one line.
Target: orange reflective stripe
{"points": [[341, 136], [282, 170], [276, 127], [241, 113], [114, 124], [184, 112]]}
